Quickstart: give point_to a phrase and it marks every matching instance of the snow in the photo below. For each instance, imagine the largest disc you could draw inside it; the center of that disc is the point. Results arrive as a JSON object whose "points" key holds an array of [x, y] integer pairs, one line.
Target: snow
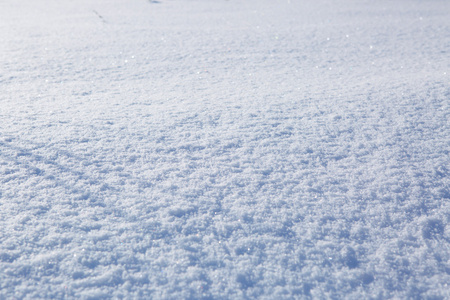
{"points": [[212, 149]]}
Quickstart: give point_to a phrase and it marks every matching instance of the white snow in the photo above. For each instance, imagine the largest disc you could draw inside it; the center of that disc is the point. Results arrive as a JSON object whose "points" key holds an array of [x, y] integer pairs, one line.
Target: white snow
{"points": [[212, 149]]}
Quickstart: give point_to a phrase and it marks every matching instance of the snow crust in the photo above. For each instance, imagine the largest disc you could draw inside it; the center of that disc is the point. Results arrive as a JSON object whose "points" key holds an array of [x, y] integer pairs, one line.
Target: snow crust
{"points": [[212, 149]]}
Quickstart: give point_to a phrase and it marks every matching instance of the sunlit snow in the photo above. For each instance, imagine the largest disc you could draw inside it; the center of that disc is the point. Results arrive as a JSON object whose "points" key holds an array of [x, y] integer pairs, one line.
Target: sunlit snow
{"points": [[213, 149]]}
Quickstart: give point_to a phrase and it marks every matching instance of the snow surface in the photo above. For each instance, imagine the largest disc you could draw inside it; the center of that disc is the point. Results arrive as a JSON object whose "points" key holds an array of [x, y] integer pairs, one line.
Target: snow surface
{"points": [[188, 149]]}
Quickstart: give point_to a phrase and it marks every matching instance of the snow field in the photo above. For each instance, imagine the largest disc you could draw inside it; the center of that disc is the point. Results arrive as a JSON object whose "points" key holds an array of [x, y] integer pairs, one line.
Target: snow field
{"points": [[224, 149]]}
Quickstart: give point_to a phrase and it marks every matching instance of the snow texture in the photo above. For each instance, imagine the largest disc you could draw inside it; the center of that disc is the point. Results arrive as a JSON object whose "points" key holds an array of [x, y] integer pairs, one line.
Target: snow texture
{"points": [[212, 149]]}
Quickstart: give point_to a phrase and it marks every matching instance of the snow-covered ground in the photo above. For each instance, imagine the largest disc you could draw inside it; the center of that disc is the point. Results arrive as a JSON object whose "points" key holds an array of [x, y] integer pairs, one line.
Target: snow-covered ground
{"points": [[189, 149]]}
